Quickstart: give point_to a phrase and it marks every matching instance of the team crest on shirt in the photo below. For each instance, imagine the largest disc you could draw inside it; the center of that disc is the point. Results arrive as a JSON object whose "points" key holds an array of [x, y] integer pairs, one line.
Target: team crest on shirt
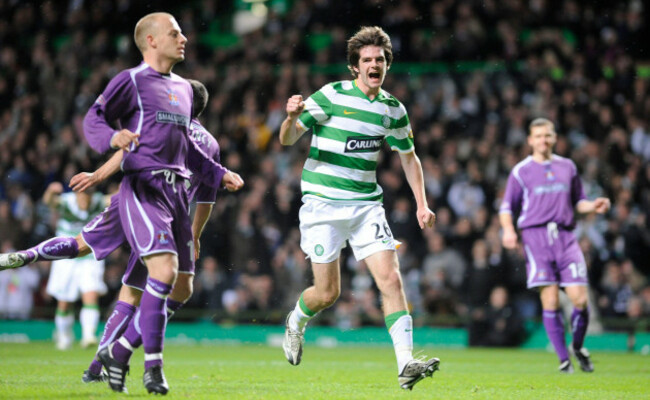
{"points": [[163, 237], [173, 97], [550, 176], [385, 121], [101, 100], [541, 275]]}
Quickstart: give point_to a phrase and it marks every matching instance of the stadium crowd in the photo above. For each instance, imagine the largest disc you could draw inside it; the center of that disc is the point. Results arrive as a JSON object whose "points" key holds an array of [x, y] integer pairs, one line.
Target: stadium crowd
{"points": [[472, 74]]}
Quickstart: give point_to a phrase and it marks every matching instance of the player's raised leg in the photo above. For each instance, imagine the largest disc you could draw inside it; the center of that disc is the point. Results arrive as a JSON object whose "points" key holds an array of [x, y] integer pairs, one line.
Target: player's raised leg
{"points": [[324, 292], [57, 248], [385, 270]]}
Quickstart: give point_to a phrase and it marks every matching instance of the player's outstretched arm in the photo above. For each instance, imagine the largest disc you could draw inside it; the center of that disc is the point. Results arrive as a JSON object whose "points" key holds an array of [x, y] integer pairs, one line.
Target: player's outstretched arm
{"points": [[85, 180], [600, 206], [413, 171], [290, 131]]}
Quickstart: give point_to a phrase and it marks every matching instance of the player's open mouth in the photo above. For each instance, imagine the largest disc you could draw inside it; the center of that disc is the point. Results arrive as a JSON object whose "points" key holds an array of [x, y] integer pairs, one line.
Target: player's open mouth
{"points": [[374, 75]]}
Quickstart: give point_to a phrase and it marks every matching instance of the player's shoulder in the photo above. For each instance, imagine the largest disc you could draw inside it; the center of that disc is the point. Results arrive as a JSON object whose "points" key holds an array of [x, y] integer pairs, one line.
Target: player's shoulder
{"points": [[522, 165], [564, 161], [390, 100]]}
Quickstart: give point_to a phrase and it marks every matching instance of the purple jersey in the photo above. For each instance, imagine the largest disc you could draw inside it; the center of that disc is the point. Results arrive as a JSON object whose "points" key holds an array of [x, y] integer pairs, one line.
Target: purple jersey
{"points": [[158, 107], [199, 191], [543, 192]]}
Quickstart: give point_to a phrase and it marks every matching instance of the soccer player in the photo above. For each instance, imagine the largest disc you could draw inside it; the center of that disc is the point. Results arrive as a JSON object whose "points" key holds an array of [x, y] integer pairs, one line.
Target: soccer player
{"points": [[70, 279], [342, 200], [544, 190], [134, 279], [153, 108]]}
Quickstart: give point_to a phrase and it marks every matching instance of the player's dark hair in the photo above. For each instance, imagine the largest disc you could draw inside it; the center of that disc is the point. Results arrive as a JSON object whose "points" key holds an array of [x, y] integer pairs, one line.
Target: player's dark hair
{"points": [[200, 98], [368, 36]]}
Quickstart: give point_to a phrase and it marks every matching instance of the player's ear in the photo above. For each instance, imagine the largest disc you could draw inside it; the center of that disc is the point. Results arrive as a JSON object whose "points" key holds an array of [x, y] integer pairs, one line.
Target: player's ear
{"points": [[151, 41]]}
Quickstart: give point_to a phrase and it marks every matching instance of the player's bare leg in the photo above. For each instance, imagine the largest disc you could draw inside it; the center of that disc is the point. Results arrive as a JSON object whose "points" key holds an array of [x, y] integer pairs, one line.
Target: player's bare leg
{"points": [[385, 270], [324, 292]]}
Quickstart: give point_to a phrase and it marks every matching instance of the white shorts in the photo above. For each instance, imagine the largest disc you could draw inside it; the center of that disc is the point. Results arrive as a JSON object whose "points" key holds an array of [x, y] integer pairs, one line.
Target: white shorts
{"points": [[325, 227], [70, 278]]}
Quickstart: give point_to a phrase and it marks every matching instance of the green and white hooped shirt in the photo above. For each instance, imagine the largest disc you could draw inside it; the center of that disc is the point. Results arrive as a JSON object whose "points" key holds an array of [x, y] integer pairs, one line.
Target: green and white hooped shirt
{"points": [[348, 132], [72, 219]]}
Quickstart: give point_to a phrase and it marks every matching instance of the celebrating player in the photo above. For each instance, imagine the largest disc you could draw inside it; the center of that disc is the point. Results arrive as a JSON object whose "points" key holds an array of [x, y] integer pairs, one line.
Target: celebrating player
{"points": [[544, 189], [342, 200]]}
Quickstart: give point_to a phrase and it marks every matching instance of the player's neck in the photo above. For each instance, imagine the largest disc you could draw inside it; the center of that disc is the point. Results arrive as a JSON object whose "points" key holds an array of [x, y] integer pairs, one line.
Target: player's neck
{"points": [[371, 93], [542, 157], [164, 66]]}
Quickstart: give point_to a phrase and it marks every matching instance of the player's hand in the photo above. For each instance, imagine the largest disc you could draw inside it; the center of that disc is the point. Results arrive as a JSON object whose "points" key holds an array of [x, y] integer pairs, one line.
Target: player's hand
{"points": [[295, 106], [83, 181], [55, 188], [124, 138], [426, 218], [232, 181], [602, 205], [509, 239]]}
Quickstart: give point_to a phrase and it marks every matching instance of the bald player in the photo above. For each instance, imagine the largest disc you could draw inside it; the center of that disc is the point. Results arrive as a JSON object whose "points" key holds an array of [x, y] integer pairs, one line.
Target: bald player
{"points": [[146, 111]]}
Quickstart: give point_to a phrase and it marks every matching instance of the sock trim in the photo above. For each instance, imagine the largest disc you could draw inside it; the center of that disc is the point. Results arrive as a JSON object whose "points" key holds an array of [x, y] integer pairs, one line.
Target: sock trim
{"points": [[303, 306], [125, 343], [153, 356], [390, 319], [63, 313], [90, 307], [155, 293]]}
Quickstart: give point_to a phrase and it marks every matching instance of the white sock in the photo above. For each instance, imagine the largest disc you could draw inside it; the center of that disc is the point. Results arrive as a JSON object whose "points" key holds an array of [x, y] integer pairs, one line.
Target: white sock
{"points": [[63, 323], [402, 334], [89, 318], [298, 319]]}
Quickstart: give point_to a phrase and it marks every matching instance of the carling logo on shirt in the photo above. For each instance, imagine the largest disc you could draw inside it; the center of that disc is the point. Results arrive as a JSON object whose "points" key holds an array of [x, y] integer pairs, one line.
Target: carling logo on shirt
{"points": [[362, 144], [173, 98], [166, 117]]}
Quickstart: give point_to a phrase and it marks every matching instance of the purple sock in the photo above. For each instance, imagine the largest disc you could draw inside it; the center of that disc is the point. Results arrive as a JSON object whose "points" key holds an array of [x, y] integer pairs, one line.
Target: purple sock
{"points": [[555, 330], [133, 335], [115, 326], [579, 323], [53, 249], [153, 320]]}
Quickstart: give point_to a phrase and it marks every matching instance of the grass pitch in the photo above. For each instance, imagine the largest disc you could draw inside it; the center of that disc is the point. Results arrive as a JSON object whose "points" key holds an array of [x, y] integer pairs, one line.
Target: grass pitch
{"points": [[38, 371]]}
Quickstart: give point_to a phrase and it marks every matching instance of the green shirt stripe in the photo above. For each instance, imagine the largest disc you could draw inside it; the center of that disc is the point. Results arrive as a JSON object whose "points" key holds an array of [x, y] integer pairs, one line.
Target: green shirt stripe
{"points": [[342, 161], [402, 144], [339, 183], [379, 197]]}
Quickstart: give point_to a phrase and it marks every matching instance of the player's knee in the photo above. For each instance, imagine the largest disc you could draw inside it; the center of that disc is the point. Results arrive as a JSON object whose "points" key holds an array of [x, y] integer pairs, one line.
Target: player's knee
{"points": [[182, 291], [329, 296], [391, 283]]}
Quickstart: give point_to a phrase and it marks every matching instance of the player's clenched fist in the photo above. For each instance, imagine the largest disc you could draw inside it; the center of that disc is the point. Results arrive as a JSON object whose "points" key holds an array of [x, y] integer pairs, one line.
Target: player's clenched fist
{"points": [[123, 139], [232, 181], [295, 105]]}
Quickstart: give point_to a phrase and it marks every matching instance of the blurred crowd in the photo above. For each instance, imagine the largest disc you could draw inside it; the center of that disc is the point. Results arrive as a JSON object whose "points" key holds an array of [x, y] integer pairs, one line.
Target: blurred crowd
{"points": [[472, 74]]}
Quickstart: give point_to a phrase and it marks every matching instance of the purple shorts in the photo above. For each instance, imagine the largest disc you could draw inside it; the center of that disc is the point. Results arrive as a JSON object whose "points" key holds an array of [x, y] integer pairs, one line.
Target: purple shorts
{"points": [[103, 234], [154, 211], [553, 257]]}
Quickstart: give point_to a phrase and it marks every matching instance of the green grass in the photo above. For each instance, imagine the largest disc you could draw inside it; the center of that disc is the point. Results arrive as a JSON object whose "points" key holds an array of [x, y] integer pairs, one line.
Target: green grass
{"points": [[37, 371]]}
